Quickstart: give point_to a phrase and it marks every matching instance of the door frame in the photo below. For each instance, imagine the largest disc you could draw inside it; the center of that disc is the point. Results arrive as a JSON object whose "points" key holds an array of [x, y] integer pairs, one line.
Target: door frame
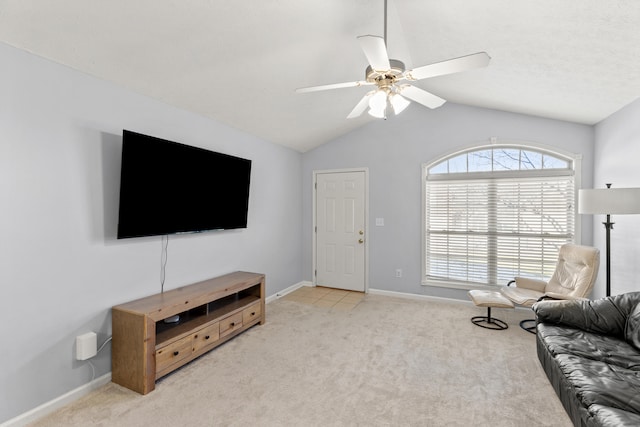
{"points": [[366, 221]]}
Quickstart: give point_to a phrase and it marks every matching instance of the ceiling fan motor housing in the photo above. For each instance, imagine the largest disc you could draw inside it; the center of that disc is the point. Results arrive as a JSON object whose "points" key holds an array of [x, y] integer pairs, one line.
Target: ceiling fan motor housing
{"points": [[385, 78]]}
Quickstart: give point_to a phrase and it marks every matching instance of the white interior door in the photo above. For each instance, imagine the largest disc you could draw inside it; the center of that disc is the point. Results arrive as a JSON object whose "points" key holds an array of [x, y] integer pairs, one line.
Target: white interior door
{"points": [[340, 230]]}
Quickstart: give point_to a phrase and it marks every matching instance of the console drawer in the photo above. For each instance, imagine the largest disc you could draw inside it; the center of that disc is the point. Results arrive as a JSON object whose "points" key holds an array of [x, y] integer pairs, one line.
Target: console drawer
{"points": [[206, 336], [230, 324], [251, 313], [173, 353]]}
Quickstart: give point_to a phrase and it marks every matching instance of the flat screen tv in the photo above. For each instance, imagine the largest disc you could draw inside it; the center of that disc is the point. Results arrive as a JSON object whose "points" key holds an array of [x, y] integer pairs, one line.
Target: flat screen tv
{"points": [[169, 188]]}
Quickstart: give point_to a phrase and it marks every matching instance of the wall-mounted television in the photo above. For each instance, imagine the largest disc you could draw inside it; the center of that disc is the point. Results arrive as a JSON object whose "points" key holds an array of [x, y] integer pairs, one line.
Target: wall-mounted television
{"points": [[169, 188]]}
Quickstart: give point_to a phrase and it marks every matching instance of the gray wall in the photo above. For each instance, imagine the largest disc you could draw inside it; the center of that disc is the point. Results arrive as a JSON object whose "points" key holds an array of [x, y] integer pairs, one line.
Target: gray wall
{"points": [[394, 151], [617, 151], [61, 267]]}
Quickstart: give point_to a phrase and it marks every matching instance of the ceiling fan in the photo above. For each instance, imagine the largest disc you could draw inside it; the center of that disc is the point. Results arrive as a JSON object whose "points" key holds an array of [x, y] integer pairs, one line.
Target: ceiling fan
{"points": [[389, 76]]}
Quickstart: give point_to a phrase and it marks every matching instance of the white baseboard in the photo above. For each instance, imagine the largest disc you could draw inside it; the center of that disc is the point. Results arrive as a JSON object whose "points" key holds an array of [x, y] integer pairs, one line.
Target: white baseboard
{"points": [[415, 296], [287, 291], [428, 297], [57, 403], [370, 291]]}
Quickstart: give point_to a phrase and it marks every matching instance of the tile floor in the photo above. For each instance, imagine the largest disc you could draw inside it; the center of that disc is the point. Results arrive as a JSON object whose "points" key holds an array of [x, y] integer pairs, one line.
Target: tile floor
{"points": [[326, 297]]}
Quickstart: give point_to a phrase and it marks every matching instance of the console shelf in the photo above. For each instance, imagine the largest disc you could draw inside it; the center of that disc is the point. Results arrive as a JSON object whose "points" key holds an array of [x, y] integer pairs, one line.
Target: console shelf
{"points": [[145, 347]]}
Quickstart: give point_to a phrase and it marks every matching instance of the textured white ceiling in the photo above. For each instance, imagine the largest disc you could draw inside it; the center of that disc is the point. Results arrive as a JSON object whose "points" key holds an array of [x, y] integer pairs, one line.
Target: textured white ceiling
{"points": [[240, 62]]}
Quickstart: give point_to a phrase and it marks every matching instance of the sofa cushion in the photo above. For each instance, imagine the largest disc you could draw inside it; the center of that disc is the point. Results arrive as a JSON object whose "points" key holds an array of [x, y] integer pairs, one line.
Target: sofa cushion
{"points": [[605, 348], [606, 416], [603, 371], [597, 383], [632, 328]]}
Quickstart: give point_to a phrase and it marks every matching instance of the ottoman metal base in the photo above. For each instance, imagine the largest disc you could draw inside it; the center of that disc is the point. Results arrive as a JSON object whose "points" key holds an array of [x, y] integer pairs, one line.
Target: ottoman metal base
{"points": [[489, 299], [528, 325], [489, 322]]}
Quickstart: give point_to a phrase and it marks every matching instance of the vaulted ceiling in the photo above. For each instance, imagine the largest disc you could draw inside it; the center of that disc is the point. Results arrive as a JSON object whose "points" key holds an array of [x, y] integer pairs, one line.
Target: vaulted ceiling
{"points": [[239, 62]]}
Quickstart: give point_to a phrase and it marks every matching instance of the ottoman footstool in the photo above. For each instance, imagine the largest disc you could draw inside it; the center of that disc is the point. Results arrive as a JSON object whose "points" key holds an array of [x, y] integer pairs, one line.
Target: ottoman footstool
{"points": [[489, 299]]}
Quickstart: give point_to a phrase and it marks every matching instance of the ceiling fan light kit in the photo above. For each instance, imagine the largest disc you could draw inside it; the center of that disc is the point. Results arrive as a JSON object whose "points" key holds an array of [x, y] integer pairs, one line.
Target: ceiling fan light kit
{"points": [[387, 92], [387, 74], [380, 100], [378, 104], [398, 102]]}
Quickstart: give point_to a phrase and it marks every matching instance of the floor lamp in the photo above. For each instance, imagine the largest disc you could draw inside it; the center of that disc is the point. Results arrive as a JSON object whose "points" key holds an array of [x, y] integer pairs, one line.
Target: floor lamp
{"points": [[609, 201]]}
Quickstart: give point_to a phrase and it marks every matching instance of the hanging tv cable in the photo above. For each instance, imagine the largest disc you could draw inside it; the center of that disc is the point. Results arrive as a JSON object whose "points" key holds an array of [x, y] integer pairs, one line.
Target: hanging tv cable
{"points": [[163, 260], [163, 273]]}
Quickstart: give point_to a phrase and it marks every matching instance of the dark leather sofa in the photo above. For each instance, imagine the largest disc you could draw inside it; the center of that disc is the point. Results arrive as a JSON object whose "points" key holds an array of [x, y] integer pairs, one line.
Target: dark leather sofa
{"points": [[590, 351]]}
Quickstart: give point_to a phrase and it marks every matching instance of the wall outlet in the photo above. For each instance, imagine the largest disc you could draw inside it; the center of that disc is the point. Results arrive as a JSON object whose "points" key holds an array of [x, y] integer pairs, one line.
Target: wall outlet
{"points": [[86, 346], [398, 272]]}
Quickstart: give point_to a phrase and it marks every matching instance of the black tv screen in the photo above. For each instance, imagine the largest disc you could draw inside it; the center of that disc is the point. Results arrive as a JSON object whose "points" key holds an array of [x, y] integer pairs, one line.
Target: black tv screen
{"points": [[169, 188]]}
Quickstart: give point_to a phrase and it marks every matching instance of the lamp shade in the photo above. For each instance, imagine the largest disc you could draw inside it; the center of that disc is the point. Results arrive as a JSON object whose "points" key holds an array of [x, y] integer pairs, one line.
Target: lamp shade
{"points": [[609, 201]]}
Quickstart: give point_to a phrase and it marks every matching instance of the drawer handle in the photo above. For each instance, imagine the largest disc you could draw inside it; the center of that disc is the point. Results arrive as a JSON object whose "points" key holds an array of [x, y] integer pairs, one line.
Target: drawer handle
{"points": [[253, 313], [206, 337], [232, 324], [175, 353]]}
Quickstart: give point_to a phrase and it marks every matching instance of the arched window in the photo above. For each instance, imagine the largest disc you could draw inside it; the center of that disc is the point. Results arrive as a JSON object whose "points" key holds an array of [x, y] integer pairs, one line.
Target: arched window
{"points": [[496, 212]]}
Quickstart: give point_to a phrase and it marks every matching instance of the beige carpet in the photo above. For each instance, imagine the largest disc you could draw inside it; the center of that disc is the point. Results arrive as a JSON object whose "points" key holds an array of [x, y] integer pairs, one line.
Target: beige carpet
{"points": [[387, 362]]}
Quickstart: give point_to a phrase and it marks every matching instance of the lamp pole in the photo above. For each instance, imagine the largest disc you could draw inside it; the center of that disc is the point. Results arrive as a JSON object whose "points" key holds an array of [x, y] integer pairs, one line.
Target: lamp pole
{"points": [[608, 226], [609, 201]]}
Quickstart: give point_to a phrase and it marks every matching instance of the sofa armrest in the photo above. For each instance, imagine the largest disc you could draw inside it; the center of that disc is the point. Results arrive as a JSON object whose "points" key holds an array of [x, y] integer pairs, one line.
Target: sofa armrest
{"points": [[601, 316]]}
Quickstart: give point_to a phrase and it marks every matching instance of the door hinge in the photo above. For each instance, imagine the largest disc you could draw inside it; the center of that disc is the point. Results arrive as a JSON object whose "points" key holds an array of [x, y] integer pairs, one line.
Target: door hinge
{"points": [[316, 227], [315, 273], [315, 185]]}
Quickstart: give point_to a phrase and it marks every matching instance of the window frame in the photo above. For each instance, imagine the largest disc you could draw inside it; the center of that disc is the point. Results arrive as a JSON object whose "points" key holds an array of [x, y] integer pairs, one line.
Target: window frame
{"points": [[575, 163]]}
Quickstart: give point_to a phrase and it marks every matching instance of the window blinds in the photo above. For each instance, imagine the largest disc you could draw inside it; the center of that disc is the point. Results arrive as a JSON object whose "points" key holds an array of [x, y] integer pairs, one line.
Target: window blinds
{"points": [[487, 231]]}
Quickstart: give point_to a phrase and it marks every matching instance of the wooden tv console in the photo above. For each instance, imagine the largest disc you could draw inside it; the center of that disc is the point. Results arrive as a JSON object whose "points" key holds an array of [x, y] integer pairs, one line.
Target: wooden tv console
{"points": [[145, 347]]}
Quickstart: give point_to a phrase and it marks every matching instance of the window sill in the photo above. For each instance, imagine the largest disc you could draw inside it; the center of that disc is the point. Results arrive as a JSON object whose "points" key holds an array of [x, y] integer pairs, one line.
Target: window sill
{"points": [[455, 285]]}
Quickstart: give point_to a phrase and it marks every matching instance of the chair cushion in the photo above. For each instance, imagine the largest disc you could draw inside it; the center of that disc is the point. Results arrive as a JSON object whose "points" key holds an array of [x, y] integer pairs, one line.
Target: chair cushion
{"points": [[632, 328], [521, 296], [489, 299], [575, 271]]}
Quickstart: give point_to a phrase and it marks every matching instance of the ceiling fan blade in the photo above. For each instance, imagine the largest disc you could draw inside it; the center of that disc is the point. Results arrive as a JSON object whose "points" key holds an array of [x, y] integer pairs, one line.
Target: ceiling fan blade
{"points": [[464, 63], [421, 96], [360, 106], [376, 52], [331, 86]]}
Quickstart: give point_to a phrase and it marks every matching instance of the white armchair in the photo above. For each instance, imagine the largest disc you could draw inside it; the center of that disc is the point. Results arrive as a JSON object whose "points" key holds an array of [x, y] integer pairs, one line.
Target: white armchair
{"points": [[573, 278]]}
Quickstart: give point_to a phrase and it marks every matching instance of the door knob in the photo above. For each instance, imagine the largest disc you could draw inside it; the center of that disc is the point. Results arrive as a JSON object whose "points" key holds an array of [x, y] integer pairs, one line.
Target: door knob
{"points": [[360, 241], [361, 232]]}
